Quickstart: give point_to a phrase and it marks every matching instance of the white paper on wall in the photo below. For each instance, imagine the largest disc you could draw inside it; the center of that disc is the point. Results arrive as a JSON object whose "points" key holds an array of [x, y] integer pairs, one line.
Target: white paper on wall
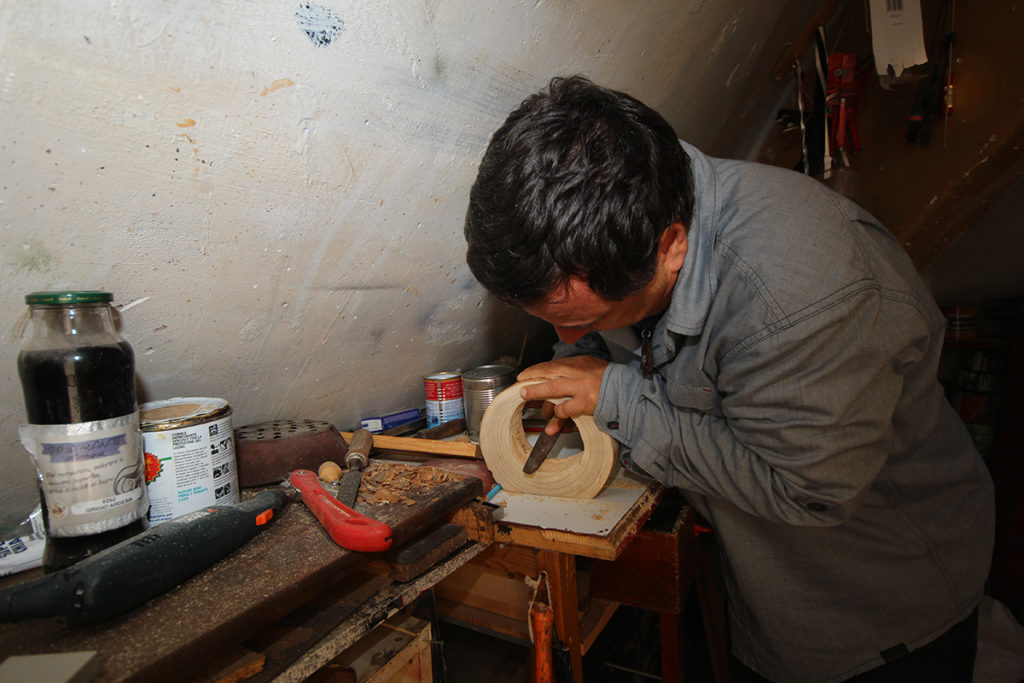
{"points": [[897, 36]]}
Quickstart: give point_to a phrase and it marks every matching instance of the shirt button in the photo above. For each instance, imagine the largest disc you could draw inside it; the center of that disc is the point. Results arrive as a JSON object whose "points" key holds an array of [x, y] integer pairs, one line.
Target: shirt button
{"points": [[613, 424]]}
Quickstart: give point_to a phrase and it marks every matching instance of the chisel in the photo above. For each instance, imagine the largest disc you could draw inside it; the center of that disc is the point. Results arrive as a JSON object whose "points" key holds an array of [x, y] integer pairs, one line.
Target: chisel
{"points": [[540, 451], [356, 459]]}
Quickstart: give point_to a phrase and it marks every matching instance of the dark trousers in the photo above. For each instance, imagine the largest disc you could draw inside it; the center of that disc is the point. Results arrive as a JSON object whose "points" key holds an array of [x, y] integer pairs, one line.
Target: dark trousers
{"points": [[947, 659]]}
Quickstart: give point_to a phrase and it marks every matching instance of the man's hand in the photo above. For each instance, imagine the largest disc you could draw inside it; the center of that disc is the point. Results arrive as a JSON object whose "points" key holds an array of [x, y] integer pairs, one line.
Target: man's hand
{"points": [[577, 377]]}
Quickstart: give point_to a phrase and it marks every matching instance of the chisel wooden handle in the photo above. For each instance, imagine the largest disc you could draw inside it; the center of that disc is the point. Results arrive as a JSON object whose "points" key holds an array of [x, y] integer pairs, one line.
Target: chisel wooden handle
{"points": [[359, 447]]}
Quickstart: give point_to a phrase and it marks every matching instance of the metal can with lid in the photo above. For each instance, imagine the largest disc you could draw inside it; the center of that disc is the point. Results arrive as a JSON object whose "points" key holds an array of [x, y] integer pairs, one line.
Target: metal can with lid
{"points": [[443, 393], [190, 455], [480, 386]]}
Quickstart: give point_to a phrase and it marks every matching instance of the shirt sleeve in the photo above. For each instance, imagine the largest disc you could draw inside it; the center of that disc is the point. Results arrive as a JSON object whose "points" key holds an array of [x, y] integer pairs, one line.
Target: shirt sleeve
{"points": [[803, 423]]}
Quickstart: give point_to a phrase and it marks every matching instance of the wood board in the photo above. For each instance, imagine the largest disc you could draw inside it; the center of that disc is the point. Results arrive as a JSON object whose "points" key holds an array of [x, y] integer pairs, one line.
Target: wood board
{"points": [[404, 445], [283, 567], [598, 527]]}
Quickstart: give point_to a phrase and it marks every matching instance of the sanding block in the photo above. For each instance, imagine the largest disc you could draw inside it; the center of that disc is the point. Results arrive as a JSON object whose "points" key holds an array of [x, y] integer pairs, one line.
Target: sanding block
{"points": [[268, 451]]}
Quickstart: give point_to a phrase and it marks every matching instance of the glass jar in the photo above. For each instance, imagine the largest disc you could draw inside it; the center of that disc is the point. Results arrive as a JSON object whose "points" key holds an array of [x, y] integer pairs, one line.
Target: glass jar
{"points": [[78, 380]]}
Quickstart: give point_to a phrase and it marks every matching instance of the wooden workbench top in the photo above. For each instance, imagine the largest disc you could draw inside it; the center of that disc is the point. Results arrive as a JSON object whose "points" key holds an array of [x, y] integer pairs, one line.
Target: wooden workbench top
{"points": [[283, 567]]}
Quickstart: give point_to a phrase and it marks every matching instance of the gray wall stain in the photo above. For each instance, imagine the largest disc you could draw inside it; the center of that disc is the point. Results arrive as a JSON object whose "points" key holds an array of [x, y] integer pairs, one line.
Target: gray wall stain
{"points": [[34, 256], [321, 24]]}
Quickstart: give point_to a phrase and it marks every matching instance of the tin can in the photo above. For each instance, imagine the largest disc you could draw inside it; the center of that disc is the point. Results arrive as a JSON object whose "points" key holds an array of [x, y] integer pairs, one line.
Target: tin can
{"points": [[480, 386], [190, 455], [961, 322], [443, 391]]}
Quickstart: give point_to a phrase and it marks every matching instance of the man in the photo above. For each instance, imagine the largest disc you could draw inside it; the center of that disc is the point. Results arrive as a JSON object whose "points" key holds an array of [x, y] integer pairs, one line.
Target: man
{"points": [[769, 349]]}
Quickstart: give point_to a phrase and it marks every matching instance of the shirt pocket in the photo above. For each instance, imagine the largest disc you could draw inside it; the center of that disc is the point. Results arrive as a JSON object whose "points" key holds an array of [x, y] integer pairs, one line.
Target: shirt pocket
{"points": [[694, 394]]}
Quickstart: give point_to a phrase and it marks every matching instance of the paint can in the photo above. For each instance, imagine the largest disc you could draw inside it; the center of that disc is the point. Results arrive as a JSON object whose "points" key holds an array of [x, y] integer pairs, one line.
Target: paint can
{"points": [[961, 322], [480, 386], [443, 392], [190, 455]]}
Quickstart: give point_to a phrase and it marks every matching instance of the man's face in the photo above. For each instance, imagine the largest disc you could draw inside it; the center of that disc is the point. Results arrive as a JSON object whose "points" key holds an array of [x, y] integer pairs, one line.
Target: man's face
{"points": [[575, 310]]}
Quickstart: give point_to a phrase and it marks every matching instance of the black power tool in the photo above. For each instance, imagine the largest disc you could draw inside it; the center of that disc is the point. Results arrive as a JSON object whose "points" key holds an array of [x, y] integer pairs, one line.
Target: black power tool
{"points": [[125, 575]]}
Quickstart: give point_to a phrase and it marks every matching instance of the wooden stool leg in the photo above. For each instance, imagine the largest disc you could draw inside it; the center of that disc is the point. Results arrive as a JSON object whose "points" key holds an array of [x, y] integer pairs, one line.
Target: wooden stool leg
{"points": [[672, 662], [561, 569]]}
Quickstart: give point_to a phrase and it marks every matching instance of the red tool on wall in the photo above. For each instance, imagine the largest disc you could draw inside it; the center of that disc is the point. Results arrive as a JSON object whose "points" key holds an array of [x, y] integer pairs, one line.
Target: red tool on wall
{"points": [[843, 93]]}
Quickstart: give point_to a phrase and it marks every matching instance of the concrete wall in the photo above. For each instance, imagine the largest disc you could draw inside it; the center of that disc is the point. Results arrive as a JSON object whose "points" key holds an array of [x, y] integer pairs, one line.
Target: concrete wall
{"points": [[274, 191], [984, 263]]}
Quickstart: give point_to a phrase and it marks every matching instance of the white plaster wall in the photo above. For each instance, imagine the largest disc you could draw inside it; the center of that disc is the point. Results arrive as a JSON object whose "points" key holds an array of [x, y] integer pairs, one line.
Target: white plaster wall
{"points": [[279, 217]]}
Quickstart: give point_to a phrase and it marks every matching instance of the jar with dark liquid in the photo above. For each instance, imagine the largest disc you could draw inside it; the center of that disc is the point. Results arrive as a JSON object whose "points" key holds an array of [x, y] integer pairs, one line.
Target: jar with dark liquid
{"points": [[78, 379]]}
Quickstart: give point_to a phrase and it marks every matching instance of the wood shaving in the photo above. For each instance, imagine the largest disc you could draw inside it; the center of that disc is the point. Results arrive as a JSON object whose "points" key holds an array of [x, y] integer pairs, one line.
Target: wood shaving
{"points": [[388, 485]]}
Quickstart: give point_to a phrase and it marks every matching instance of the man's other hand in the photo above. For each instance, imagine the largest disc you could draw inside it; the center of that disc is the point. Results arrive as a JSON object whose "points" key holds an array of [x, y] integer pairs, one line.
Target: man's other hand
{"points": [[578, 378]]}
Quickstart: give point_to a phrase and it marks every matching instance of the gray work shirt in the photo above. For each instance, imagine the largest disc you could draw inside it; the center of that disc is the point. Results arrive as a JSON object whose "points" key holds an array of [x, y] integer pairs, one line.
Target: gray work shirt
{"points": [[795, 400]]}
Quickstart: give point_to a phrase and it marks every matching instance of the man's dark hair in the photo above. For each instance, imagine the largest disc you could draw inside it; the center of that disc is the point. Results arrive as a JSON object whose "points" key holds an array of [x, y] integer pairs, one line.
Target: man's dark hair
{"points": [[579, 181]]}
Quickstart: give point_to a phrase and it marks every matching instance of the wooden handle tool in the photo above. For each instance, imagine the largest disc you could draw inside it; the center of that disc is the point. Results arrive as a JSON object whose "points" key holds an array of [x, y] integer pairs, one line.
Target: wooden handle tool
{"points": [[357, 458]]}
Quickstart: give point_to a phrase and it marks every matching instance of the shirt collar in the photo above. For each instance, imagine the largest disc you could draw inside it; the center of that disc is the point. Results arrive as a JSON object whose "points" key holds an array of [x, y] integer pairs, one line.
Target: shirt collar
{"points": [[693, 292]]}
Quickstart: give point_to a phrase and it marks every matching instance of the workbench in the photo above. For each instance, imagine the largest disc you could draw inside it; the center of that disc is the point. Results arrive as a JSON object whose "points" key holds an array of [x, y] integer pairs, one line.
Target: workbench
{"points": [[290, 600], [641, 546], [291, 578]]}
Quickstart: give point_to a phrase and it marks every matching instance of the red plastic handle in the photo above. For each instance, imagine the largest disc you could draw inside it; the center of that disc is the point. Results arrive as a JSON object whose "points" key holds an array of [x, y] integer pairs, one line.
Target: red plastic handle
{"points": [[348, 528]]}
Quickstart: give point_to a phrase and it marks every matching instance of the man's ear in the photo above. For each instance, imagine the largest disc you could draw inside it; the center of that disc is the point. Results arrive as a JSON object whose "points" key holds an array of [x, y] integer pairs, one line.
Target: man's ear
{"points": [[673, 246]]}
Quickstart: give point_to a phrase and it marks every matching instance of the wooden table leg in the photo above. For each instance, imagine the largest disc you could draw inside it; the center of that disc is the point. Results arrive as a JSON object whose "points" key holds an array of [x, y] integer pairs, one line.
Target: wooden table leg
{"points": [[672, 663], [561, 571]]}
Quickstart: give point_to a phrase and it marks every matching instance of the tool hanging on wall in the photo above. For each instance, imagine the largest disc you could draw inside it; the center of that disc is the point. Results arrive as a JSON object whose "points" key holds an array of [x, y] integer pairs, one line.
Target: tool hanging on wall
{"points": [[818, 161], [947, 108], [798, 75], [845, 88], [934, 98]]}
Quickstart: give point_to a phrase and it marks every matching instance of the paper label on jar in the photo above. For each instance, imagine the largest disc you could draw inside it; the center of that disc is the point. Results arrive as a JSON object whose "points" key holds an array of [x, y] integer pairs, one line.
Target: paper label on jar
{"points": [[91, 473]]}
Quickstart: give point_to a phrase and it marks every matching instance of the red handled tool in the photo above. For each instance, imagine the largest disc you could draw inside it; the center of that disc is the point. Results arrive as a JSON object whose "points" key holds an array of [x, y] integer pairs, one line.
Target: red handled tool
{"points": [[348, 528]]}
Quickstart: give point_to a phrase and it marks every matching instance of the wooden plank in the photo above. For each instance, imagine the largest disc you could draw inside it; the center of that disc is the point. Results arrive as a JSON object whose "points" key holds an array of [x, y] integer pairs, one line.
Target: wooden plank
{"points": [[664, 590], [405, 444], [394, 652], [288, 639], [513, 630], [485, 588], [797, 48], [603, 547], [290, 563], [593, 621], [384, 603], [477, 518], [422, 554]]}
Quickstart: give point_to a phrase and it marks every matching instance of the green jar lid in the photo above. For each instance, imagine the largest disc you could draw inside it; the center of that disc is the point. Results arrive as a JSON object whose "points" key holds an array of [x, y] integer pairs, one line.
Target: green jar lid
{"points": [[65, 298]]}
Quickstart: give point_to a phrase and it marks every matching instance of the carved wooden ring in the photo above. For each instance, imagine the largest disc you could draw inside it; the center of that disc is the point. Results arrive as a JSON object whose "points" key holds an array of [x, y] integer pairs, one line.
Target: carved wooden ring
{"points": [[505, 449]]}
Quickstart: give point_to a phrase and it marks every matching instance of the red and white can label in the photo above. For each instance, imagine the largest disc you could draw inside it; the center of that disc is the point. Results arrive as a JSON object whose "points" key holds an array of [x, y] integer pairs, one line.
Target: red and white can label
{"points": [[443, 392]]}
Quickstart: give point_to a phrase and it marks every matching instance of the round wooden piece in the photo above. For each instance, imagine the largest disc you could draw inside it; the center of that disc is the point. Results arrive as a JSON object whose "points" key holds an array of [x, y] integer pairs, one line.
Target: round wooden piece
{"points": [[505, 449]]}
